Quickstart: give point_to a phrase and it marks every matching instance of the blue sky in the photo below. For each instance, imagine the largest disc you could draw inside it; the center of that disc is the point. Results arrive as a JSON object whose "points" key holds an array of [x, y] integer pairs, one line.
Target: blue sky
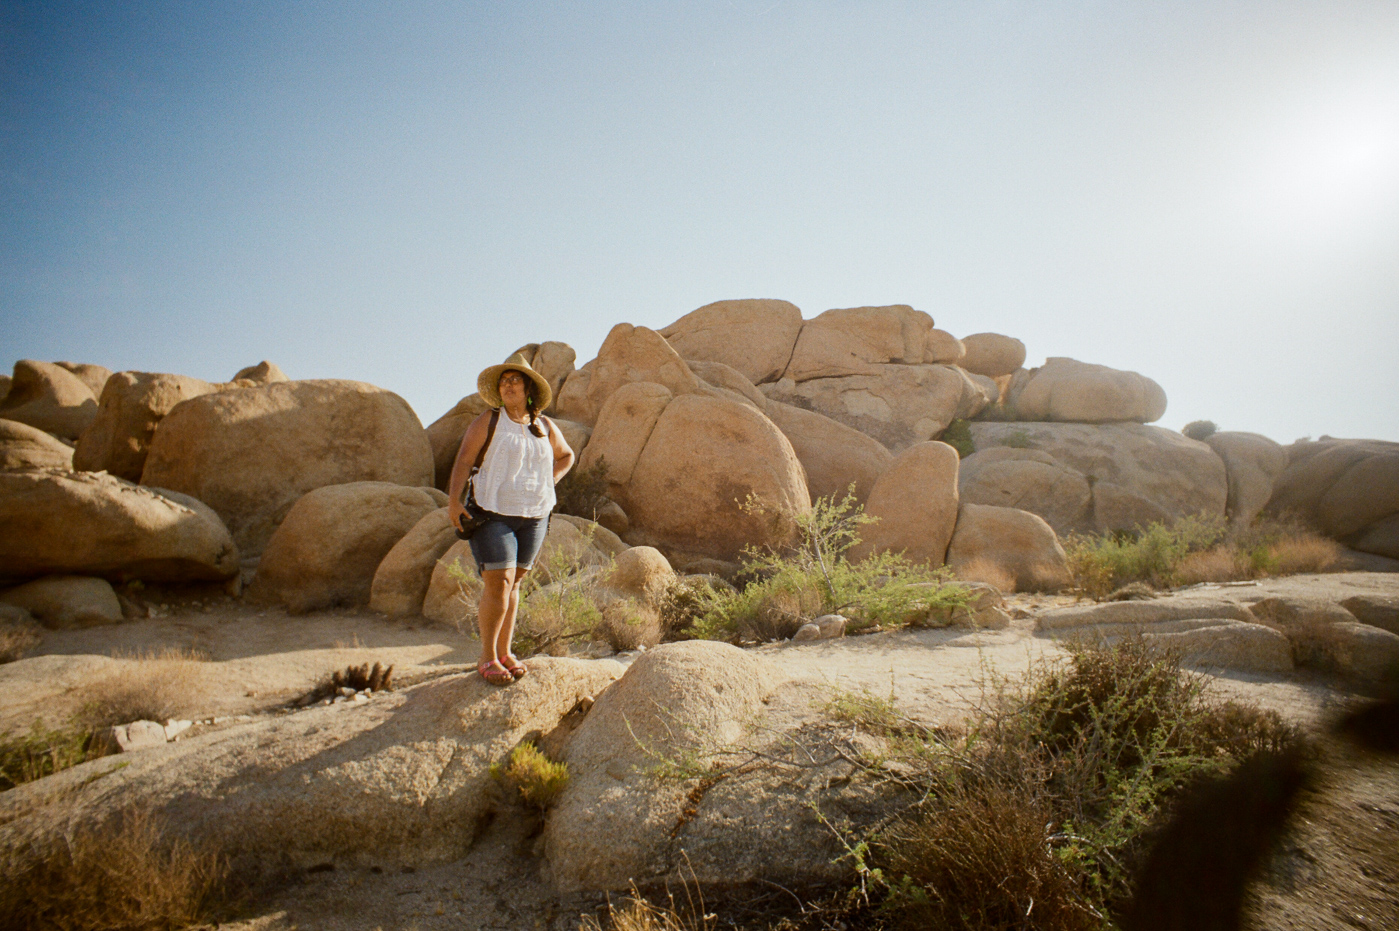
{"points": [[1207, 193]]}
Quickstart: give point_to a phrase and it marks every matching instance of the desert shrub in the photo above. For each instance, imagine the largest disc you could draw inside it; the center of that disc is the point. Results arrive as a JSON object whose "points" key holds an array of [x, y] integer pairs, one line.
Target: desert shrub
{"points": [[626, 625], [1018, 439], [1051, 793], [147, 687], [16, 638], [638, 914], [1199, 429], [989, 572], [958, 435], [815, 575], [1103, 563], [583, 492], [530, 776], [44, 751], [685, 601], [123, 874]]}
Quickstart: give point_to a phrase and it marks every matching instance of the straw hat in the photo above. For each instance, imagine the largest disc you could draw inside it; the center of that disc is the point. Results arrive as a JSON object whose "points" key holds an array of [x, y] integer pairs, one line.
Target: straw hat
{"points": [[488, 382]]}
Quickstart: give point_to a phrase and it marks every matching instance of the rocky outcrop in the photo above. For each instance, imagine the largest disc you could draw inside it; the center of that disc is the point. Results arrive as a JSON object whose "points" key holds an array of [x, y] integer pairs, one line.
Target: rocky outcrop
{"points": [[624, 426], [858, 340], [702, 461], [26, 447], [131, 406], [94, 376], [992, 354], [1252, 463], [264, 373], [898, 405], [1066, 390], [325, 553], [1328, 637], [754, 337], [1017, 542], [1138, 473], [250, 453], [49, 397], [629, 354], [67, 601], [1347, 489], [83, 523], [915, 505], [834, 456], [1030, 480], [402, 578], [726, 382]]}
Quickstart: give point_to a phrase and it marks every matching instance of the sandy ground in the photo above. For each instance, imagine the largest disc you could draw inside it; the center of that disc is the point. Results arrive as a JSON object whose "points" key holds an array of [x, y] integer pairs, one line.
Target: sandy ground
{"points": [[255, 661]]}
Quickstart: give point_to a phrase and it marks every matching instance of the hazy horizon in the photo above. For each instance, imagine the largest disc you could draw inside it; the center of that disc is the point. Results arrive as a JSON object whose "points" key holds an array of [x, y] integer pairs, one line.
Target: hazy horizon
{"points": [[1205, 194]]}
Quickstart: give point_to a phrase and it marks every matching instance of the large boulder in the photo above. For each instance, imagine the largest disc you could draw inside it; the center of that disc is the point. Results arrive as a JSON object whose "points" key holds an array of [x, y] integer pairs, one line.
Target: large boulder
{"points": [[701, 463], [992, 354], [858, 340], [1030, 480], [629, 354], [898, 405], [1138, 473], [401, 581], [50, 398], [1252, 462], [131, 406], [1328, 637], [1347, 489], [753, 336], [26, 447], [400, 781], [623, 427], [451, 596], [728, 382], [445, 433], [250, 453], [915, 503], [67, 601], [94, 376], [641, 573], [264, 373], [834, 456], [1070, 391], [325, 553], [1017, 542], [84, 523]]}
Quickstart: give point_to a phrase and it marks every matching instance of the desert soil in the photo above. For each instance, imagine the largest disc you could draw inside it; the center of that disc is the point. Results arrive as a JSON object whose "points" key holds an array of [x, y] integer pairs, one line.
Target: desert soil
{"points": [[1339, 867]]}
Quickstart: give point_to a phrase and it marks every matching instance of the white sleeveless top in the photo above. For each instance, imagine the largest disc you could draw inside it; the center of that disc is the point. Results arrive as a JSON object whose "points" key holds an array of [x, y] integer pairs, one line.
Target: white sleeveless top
{"points": [[517, 475]]}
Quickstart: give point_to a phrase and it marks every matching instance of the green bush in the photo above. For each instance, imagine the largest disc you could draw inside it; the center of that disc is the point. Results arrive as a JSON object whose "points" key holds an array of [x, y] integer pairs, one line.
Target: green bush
{"points": [[43, 752], [958, 435], [1100, 564], [534, 778]]}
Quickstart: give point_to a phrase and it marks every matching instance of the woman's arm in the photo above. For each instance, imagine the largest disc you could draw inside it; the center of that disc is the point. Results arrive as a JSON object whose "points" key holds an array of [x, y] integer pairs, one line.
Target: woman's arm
{"points": [[471, 443], [563, 454]]}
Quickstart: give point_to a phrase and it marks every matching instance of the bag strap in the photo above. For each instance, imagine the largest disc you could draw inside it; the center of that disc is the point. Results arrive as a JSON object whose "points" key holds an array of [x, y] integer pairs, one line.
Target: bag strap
{"points": [[490, 433]]}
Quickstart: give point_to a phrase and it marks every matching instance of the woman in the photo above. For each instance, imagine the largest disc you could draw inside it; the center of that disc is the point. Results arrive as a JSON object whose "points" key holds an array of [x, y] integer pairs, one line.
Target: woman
{"points": [[525, 456]]}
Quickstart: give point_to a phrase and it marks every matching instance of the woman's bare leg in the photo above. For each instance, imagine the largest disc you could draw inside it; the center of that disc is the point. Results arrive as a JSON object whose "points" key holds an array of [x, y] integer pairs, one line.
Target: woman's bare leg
{"points": [[507, 627], [497, 588]]}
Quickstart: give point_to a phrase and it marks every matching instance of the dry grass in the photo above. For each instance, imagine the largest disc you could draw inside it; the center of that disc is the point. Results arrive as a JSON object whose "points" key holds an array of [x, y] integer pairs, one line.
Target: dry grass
{"points": [[626, 625], [149, 687], [43, 752], [17, 637], [989, 572], [638, 914], [1305, 553], [123, 874]]}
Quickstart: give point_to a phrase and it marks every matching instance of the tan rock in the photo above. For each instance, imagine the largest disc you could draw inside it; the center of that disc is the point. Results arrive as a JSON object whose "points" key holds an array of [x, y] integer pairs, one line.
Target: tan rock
{"points": [[26, 447], [1017, 541], [611, 516], [94, 376], [623, 426], [572, 402], [250, 453], [730, 382], [81, 523], [1251, 463], [1347, 489], [705, 457], [49, 398], [856, 340], [754, 337], [402, 578], [1030, 480], [450, 599], [1228, 645], [325, 553], [1137, 472], [942, 348], [602, 539], [1326, 636], [67, 601], [131, 406], [898, 405], [1067, 390], [264, 373], [631, 354], [446, 432], [575, 434], [834, 456], [553, 360], [569, 548], [992, 354], [915, 501], [641, 573], [1128, 617]]}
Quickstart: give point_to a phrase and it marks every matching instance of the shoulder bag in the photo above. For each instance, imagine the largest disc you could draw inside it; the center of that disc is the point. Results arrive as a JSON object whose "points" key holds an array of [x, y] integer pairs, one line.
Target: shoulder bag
{"points": [[475, 514]]}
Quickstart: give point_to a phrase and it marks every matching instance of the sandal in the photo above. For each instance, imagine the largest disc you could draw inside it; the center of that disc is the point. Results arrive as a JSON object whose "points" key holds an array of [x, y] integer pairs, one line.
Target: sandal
{"points": [[494, 673], [513, 666]]}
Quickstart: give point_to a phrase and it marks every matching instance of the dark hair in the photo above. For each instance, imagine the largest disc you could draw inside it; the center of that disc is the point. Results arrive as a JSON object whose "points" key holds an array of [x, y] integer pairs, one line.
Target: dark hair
{"points": [[534, 426]]}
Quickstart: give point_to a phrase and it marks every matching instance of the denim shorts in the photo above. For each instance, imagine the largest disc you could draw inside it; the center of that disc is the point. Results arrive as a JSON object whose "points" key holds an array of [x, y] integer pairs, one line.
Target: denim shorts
{"points": [[506, 542]]}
